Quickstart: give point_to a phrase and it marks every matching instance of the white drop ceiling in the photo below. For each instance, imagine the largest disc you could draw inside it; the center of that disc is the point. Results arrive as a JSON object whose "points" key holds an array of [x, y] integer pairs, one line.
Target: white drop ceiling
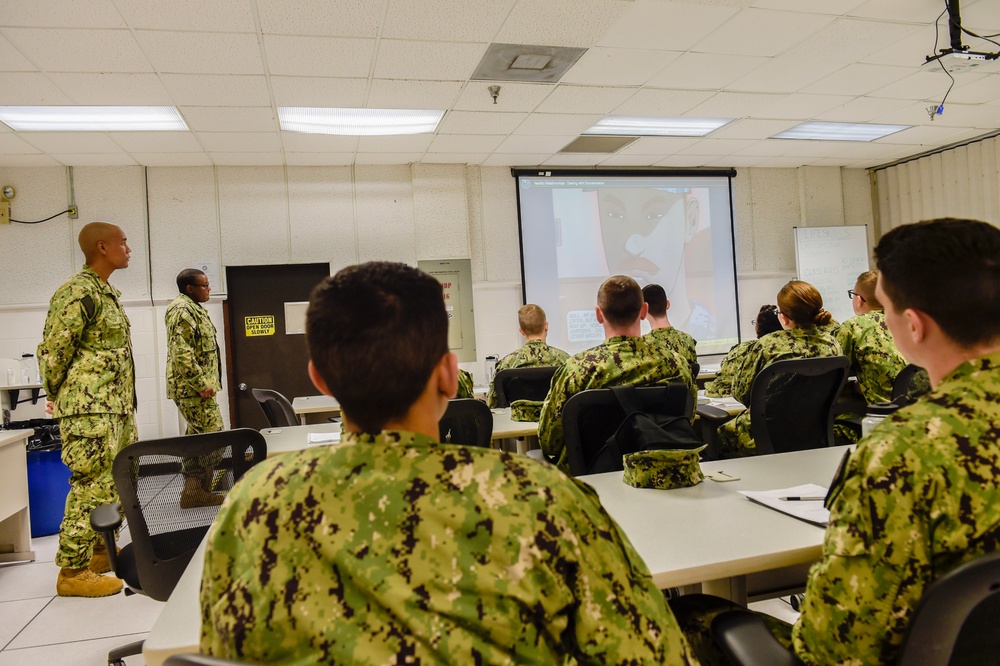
{"points": [[228, 64]]}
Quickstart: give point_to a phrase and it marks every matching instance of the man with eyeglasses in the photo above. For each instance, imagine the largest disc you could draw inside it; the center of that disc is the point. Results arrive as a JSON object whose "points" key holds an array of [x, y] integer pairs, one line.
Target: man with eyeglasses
{"points": [[194, 376]]}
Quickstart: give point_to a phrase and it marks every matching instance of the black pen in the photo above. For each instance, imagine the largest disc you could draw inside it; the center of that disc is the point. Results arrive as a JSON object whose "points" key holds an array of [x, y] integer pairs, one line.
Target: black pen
{"points": [[802, 499]]}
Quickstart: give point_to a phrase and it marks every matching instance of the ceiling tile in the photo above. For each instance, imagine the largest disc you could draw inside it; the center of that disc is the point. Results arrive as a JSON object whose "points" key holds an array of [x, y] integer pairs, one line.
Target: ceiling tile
{"points": [[717, 146], [909, 51], [71, 142], [11, 143], [319, 159], [858, 79], [454, 158], [217, 90], [658, 145], [63, 14], [657, 102], [387, 158], [513, 96], [762, 32], [402, 94], [13, 160], [981, 16], [11, 60], [631, 160], [818, 6], [750, 128], [560, 22], [412, 143], [79, 50], [299, 142], [172, 159], [464, 143], [475, 122], [525, 159], [801, 106], [576, 159], [704, 71], [246, 159], [314, 91], [201, 52], [862, 109], [319, 56], [527, 144], [438, 61], [344, 18], [30, 88], [94, 159], [622, 67], [735, 105], [550, 124], [784, 162], [925, 84], [156, 142], [986, 89], [240, 142], [736, 161], [584, 99], [230, 118], [685, 161], [113, 88], [215, 16], [784, 74], [649, 24], [849, 40], [917, 11], [445, 20]]}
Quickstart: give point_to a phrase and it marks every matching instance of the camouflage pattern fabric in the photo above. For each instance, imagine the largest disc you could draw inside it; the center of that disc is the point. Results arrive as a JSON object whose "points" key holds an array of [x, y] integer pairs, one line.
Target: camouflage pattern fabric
{"points": [[695, 613], [85, 357], [526, 410], [875, 361], [664, 469], [808, 342], [618, 361], [90, 444], [722, 385], [918, 497], [674, 340], [534, 354], [395, 549], [466, 389]]}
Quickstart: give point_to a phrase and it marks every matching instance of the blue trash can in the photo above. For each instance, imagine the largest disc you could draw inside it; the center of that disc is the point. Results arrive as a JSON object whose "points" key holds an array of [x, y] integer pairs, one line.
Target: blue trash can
{"points": [[48, 485]]}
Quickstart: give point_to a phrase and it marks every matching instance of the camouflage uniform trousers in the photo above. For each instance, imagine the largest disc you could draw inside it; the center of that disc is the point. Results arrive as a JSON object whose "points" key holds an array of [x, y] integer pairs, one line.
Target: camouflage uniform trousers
{"points": [[202, 415], [695, 612], [90, 444]]}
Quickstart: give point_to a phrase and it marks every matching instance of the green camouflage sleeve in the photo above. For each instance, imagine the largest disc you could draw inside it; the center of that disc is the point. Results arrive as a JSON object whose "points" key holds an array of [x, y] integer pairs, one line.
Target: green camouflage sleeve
{"points": [[845, 336], [550, 423], [722, 385], [182, 341], [466, 389], [753, 362], [61, 336]]}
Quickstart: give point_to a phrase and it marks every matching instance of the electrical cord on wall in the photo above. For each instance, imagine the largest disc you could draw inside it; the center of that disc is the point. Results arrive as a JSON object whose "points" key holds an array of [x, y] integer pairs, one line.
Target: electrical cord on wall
{"points": [[68, 210]]}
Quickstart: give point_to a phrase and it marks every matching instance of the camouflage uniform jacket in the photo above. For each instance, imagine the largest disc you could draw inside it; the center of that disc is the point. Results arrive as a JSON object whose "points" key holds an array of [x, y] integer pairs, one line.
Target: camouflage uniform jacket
{"points": [[394, 548], [918, 497], [466, 389], [193, 363], [722, 385], [875, 361], [619, 360], [675, 340], [534, 354], [85, 357]]}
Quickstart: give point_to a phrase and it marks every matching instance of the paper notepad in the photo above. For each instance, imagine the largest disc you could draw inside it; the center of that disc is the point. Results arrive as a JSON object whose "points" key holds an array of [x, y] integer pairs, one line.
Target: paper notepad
{"points": [[323, 437], [811, 511]]}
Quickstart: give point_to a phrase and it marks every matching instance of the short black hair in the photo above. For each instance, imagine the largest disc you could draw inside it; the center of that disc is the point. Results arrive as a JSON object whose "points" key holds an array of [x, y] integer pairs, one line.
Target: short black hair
{"points": [[620, 299], [187, 278], [375, 331], [948, 268], [767, 320], [656, 297]]}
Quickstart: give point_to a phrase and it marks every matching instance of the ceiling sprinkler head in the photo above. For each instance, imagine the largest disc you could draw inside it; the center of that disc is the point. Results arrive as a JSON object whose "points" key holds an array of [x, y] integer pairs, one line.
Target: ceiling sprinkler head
{"points": [[494, 93]]}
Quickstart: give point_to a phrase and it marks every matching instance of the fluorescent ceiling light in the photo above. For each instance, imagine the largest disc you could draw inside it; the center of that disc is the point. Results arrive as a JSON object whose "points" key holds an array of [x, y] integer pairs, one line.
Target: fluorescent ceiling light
{"points": [[92, 118], [839, 131], [657, 126], [358, 122]]}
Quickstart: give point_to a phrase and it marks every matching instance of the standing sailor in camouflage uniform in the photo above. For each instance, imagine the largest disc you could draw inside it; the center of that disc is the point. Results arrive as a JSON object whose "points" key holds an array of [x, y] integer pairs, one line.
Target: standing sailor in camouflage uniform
{"points": [[535, 352], [391, 548], [88, 374], [663, 333], [766, 322], [802, 318], [920, 495], [194, 376], [625, 357]]}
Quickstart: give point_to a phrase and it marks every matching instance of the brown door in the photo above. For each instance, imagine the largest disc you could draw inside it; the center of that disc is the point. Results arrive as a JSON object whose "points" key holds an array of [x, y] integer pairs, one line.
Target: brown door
{"points": [[260, 352]]}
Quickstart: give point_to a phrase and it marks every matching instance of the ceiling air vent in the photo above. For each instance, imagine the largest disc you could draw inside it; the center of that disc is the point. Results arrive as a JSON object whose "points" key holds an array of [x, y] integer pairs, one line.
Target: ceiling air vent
{"points": [[527, 63], [598, 144]]}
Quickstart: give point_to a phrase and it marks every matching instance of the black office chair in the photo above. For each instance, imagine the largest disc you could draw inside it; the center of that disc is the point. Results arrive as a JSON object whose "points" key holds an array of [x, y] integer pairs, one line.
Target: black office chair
{"points": [[277, 410], [148, 477], [200, 660], [592, 416], [512, 384], [791, 406], [911, 382], [954, 623], [467, 421]]}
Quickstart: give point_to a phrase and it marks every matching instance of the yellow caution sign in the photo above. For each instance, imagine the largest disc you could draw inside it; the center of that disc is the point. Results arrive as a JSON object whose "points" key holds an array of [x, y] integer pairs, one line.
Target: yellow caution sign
{"points": [[259, 325]]}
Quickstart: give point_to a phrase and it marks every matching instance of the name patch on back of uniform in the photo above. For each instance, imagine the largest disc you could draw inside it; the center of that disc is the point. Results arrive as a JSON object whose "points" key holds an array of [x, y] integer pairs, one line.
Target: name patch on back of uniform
{"points": [[259, 325]]}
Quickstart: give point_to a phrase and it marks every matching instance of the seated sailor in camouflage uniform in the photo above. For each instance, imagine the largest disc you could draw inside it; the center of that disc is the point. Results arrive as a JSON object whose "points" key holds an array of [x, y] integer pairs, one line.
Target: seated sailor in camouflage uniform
{"points": [[766, 322], [88, 374], [920, 495], [801, 315], [466, 387], [535, 352], [663, 333], [392, 548], [625, 357], [194, 375]]}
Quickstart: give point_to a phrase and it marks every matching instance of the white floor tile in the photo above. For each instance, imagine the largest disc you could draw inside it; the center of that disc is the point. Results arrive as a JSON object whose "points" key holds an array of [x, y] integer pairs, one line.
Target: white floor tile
{"points": [[68, 619], [15, 616], [45, 548], [28, 581], [82, 653], [779, 608]]}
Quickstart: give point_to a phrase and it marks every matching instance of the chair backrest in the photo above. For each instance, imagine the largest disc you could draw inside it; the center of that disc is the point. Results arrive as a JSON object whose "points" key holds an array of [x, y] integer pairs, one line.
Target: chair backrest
{"points": [[791, 403], [956, 619], [911, 380], [592, 416], [199, 660], [467, 421], [277, 410], [512, 384], [148, 477]]}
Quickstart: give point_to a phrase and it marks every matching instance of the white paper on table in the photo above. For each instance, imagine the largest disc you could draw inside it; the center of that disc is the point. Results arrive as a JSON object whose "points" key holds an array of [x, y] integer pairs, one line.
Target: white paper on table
{"points": [[323, 437], [726, 402], [811, 511]]}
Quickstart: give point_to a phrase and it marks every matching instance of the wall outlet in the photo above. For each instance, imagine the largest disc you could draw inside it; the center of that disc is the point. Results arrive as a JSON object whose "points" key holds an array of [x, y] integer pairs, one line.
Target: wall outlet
{"points": [[74, 212], [4, 212]]}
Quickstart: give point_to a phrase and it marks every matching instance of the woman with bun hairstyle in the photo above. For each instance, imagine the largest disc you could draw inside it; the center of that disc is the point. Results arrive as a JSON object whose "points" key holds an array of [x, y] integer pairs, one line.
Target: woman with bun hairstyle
{"points": [[805, 334], [766, 322]]}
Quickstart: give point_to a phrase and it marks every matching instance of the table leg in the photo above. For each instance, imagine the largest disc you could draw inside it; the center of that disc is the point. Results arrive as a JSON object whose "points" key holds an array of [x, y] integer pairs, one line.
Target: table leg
{"points": [[734, 589]]}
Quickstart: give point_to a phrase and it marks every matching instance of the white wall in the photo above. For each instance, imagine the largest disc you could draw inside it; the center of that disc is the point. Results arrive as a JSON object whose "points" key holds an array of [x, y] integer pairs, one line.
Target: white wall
{"points": [[274, 215]]}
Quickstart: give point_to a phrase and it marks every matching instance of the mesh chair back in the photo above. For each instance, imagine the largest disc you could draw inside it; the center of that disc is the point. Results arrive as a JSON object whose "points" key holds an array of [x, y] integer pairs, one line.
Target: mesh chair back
{"points": [[467, 421], [592, 416], [956, 619], [148, 477], [513, 384], [791, 403], [277, 410]]}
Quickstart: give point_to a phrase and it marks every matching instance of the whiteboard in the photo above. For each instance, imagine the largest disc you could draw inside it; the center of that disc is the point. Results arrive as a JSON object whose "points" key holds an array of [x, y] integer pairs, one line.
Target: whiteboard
{"points": [[830, 259]]}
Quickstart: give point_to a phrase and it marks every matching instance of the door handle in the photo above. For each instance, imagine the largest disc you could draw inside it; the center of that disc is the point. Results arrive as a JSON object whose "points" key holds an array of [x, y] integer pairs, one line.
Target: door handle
{"points": [[242, 387]]}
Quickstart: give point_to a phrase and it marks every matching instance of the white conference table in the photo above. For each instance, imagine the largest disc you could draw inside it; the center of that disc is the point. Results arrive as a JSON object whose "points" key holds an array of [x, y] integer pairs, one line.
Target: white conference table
{"points": [[706, 534], [322, 407]]}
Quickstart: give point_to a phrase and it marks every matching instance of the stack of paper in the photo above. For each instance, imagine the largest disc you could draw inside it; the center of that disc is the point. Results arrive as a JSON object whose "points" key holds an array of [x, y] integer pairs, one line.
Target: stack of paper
{"points": [[323, 437], [803, 502]]}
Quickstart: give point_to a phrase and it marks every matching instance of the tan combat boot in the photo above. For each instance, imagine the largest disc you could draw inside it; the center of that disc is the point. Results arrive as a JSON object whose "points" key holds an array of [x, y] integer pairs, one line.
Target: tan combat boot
{"points": [[208, 480], [194, 495], [99, 561], [85, 583]]}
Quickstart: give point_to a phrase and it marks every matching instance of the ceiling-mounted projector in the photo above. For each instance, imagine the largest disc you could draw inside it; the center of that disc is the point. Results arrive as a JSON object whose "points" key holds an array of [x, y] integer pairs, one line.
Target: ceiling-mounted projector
{"points": [[961, 61]]}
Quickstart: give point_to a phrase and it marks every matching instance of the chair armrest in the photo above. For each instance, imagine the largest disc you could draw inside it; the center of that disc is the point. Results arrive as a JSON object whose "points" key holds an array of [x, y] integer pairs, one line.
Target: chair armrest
{"points": [[747, 641], [716, 415], [106, 518]]}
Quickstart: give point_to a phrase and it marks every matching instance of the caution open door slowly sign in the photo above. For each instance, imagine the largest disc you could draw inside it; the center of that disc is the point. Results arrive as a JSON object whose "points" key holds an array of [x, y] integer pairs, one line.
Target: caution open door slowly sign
{"points": [[259, 325]]}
